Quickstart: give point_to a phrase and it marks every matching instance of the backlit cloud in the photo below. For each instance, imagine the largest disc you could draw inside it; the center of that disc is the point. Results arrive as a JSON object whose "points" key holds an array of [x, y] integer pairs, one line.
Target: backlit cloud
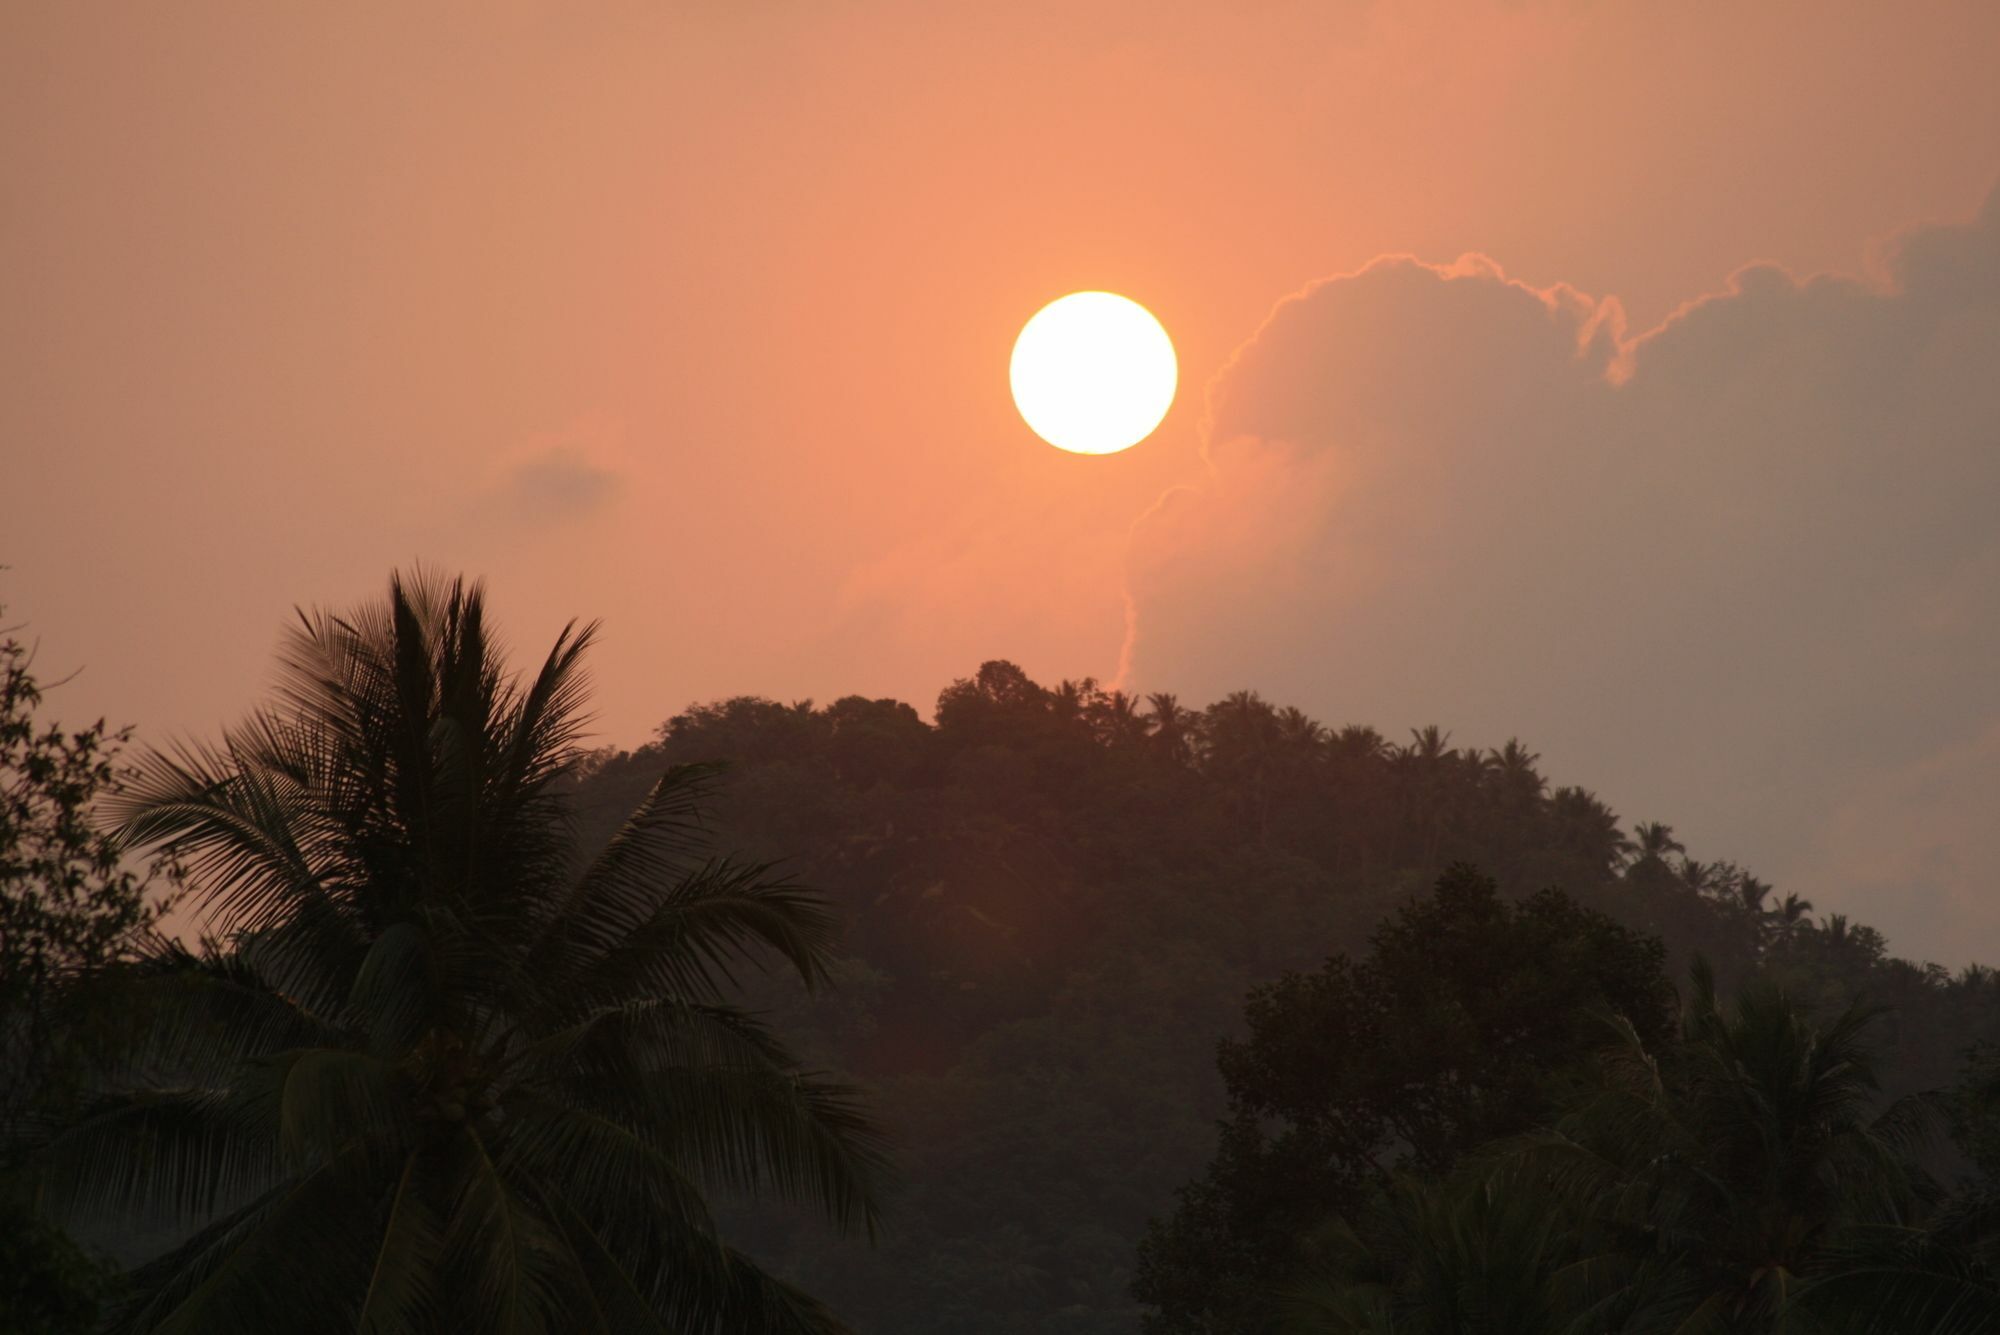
{"points": [[1741, 571]]}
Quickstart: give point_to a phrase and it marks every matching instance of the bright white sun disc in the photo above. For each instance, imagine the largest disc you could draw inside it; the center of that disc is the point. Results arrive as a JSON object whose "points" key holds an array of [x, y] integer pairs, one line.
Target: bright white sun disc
{"points": [[1093, 373]]}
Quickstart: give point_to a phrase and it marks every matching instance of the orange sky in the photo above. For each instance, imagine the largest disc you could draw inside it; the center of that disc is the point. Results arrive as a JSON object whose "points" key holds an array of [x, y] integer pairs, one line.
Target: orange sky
{"points": [[698, 322]]}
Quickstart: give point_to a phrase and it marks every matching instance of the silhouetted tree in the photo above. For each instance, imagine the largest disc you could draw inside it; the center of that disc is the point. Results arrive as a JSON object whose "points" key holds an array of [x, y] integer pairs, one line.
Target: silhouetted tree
{"points": [[1045, 920], [1588, 830], [68, 905], [1480, 1254], [1171, 726], [1732, 1177], [1439, 1040], [1116, 720], [434, 1074], [1740, 1179], [69, 910]]}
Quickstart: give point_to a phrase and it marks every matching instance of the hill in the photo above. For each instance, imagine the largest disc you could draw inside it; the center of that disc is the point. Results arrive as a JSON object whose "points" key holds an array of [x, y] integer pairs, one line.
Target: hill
{"points": [[1058, 897]]}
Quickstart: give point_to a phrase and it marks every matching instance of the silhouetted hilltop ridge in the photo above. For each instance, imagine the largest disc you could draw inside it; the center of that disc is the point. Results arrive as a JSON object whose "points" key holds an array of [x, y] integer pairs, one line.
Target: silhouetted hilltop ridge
{"points": [[1058, 896]]}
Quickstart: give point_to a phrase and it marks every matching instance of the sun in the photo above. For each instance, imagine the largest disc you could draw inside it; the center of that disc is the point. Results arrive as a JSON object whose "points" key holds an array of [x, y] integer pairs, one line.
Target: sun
{"points": [[1093, 373]]}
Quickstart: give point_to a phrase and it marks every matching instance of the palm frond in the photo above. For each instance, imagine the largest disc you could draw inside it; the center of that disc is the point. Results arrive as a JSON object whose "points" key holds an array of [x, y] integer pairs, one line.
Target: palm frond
{"points": [[325, 1100], [659, 845], [497, 1256], [617, 1302], [232, 824], [161, 1155], [205, 1009], [588, 1156], [395, 994], [720, 919], [771, 1132], [400, 1298], [1886, 1290], [244, 1272]]}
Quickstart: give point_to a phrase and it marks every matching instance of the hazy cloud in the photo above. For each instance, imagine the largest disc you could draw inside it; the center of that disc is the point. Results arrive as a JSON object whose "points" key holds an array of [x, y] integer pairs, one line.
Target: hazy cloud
{"points": [[1740, 572], [554, 484]]}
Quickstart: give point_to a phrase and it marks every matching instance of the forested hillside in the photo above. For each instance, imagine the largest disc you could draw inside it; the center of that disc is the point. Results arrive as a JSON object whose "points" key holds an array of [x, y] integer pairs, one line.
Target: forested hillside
{"points": [[1057, 899]]}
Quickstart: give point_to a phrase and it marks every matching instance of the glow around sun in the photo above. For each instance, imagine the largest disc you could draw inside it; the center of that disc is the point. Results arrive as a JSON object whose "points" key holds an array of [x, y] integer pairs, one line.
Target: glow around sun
{"points": [[1093, 373]]}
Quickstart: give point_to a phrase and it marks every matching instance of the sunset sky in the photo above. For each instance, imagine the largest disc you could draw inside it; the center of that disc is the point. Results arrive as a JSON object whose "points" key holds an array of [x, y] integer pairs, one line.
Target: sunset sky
{"points": [[1670, 443]]}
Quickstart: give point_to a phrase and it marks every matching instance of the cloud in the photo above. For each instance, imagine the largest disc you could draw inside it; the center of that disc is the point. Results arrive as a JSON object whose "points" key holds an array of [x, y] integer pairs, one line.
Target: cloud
{"points": [[557, 479], [559, 484], [1738, 572]]}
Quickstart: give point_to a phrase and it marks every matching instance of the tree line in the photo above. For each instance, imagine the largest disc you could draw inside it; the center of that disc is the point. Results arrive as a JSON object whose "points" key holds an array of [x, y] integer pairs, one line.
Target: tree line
{"points": [[1059, 898], [1195, 1019]]}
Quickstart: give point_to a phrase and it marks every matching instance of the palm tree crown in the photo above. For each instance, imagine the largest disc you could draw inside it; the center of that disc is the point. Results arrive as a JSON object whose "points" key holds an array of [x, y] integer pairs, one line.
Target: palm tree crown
{"points": [[1746, 1182], [435, 1071]]}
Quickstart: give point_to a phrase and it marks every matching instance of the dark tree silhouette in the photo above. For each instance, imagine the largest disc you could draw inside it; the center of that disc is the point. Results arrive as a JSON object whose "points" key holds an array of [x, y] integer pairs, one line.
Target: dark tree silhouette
{"points": [[434, 1074], [1742, 1179], [1733, 1177], [1436, 1042]]}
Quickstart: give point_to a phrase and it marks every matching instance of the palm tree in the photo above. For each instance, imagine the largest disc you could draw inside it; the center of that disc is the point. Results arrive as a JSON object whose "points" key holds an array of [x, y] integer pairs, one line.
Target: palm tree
{"points": [[1739, 1182], [1480, 1255], [1428, 745], [1703, 878], [1655, 841], [1300, 730], [1172, 726], [1358, 744], [434, 1073], [1793, 909], [1733, 1182], [1071, 701], [1115, 718], [1237, 729], [1589, 829], [1751, 894], [1426, 783], [1242, 739], [1512, 770], [1652, 843]]}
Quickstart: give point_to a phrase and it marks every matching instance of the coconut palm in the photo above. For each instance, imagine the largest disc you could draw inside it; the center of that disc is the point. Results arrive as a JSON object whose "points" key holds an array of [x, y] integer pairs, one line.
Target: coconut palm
{"points": [[1703, 878], [1071, 701], [436, 1072], [1424, 770], [1735, 1182], [1588, 829], [1511, 769], [1242, 745], [1480, 1255], [1742, 1182], [1429, 745], [1116, 721], [1751, 894], [1786, 920], [1654, 841], [1300, 730], [1172, 726], [1356, 744]]}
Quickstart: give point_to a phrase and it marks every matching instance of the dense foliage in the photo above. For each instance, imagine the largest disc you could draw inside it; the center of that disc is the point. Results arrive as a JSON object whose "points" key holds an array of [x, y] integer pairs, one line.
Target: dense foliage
{"points": [[1059, 897], [1740, 1176], [68, 904], [69, 909], [472, 1038], [1442, 1038], [434, 1073]]}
